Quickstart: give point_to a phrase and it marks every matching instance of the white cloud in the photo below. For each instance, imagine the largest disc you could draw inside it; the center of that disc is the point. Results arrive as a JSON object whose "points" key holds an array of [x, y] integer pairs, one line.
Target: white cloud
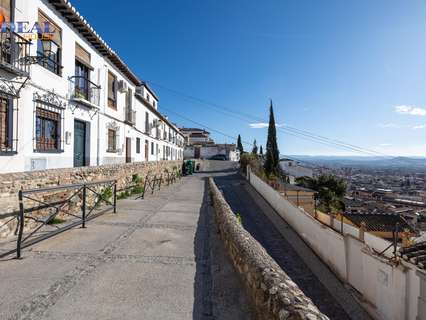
{"points": [[422, 126], [389, 125], [385, 144], [261, 125], [258, 125], [410, 110]]}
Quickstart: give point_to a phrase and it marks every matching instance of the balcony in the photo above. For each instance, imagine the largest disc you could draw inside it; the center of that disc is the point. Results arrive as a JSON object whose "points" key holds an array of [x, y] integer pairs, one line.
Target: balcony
{"points": [[84, 91], [130, 116], [14, 53]]}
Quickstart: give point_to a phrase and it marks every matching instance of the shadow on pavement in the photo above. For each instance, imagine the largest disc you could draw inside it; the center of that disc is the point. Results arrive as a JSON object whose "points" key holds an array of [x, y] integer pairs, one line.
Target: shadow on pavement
{"points": [[203, 283]]}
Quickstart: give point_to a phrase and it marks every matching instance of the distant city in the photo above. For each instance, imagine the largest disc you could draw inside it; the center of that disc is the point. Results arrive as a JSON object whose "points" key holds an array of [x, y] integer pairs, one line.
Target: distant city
{"points": [[375, 185]]}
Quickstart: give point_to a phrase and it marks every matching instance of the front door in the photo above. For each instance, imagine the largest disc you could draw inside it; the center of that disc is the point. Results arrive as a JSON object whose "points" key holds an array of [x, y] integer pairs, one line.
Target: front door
{"points": [[197, 152], [128, 150], [79, 143]]}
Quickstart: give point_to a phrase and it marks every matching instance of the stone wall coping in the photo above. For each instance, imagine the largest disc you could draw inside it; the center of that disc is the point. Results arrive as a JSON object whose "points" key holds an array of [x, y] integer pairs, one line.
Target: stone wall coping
{"points": [[274, 294]]}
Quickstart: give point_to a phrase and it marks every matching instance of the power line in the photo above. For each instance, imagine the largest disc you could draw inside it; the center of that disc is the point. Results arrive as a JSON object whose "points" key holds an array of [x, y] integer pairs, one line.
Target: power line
{"points": [[222, 133], [292, 131]]}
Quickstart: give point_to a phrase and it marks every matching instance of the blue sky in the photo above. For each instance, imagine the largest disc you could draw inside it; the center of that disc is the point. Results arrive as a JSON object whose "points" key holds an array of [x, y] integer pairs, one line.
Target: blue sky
{"points": [[348, 70]]}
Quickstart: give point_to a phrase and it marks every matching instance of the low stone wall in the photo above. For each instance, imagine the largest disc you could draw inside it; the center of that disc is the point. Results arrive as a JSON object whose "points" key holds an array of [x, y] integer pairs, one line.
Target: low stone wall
{"points": [[274, 294], [11, 183]]}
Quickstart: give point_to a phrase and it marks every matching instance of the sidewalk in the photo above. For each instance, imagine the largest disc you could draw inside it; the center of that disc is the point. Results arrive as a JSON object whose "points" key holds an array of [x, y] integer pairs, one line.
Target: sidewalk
{"points": [[154, 259]]}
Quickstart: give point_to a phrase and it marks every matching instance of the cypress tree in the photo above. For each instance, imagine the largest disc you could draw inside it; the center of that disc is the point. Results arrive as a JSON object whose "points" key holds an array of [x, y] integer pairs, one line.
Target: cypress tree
{"points": [[261, 150], [240, 145], [272, 154], [254, 150]]}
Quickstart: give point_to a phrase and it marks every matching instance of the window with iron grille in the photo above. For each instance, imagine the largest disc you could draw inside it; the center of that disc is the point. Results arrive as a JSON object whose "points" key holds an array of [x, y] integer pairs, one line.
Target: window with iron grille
{"points": [[48, 130], [48, 122], [112, 140], [7, 141]]}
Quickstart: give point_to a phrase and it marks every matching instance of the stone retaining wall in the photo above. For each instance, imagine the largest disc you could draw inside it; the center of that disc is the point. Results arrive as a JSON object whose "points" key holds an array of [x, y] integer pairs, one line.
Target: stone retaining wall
{"points": [[11, 183], [274, 294]]}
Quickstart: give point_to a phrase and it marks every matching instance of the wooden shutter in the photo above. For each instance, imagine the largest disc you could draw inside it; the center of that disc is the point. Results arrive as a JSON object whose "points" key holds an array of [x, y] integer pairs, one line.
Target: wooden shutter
{"points": [[82, 56], [57, 35], [129, 98]]}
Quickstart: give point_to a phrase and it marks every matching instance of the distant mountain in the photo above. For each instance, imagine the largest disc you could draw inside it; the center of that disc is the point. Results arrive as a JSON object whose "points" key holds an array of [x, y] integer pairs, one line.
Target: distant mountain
{"points": [[365, 161]]}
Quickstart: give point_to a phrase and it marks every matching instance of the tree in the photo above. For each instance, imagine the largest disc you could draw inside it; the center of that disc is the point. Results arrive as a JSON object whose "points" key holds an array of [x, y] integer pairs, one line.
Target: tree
{"points": [[261, 151], [330, 190], [254, 150], [240, 145], [272, 154]]}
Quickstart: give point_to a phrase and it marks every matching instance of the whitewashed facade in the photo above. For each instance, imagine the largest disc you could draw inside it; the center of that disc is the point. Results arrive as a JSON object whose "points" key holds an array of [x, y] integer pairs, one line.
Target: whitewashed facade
{"points": [[70, 100]]}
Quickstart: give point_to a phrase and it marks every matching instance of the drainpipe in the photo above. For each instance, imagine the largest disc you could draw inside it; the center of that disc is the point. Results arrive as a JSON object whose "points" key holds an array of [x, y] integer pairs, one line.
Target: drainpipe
{"points": [[99, 123], [98, 141]]}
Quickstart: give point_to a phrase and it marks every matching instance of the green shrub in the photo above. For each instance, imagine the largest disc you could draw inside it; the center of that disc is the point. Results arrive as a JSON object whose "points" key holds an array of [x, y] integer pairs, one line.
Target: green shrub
{"points": [[106, 194], [240, 220], [138, 189], [136, 179], [252, 160], [123, 195], [56, 221]]}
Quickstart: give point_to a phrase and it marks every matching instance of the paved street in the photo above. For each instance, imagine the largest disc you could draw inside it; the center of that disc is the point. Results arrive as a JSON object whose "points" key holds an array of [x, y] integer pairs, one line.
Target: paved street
{"points": [[160, 258], [155, 259]]}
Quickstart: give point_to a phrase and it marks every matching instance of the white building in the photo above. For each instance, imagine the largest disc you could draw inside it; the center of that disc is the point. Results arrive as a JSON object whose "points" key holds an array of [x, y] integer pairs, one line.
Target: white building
{"points": [[67, 99], [294, 170]]}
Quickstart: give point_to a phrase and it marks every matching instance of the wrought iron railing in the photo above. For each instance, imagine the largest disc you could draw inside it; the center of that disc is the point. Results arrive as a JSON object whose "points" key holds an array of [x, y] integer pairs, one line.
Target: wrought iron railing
{"points": [[46, 212], [130, 116], [83, 90], [14, 52]]}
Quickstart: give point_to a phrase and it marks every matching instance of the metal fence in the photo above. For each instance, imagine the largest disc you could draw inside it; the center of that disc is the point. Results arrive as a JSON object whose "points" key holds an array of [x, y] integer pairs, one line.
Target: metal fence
{"points": [[46, 212]]}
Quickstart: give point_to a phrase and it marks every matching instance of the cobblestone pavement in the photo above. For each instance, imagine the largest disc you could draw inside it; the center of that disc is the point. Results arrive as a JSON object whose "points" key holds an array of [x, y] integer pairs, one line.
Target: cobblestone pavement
{"points": [[289, 251], [155, 259]]}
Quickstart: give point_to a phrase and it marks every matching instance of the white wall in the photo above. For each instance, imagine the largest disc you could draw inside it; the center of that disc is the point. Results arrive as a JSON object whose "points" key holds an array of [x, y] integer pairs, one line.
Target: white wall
{"points": [[97, 118], [391, 290]]}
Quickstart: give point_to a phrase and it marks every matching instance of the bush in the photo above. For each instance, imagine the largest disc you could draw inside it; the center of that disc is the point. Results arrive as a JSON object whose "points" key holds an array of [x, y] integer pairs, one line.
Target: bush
{"points": [[106, 194], [56, 221], [123, 195], [138, 189], [252, 160]]}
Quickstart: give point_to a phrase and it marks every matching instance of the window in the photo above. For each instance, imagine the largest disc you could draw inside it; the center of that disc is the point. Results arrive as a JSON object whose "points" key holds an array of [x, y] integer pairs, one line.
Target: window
{"points": [[81, 80], [152, 148], [112, 91], [153, 103], [82, 72], [48, 130], [138, 145], [147, 97], [6, 124], [112, 140], [146, 123], [49, 50]]}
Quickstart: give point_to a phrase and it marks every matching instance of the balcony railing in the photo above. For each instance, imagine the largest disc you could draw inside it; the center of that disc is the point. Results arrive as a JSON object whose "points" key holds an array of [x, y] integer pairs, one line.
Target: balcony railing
{"points": [[84, 91], [14, 52], [130, 116]]}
